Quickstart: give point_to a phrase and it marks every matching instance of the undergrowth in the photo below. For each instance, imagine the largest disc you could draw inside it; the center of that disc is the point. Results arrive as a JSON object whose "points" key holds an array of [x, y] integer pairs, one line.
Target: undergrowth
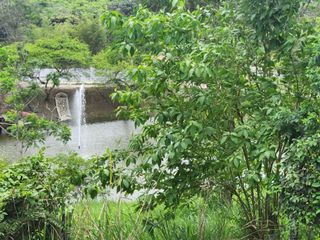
{"points": [[102, 219]]}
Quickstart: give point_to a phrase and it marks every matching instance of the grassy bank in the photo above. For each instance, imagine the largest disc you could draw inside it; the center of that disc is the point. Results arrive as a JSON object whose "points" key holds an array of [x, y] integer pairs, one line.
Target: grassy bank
{"points": [[121, 220]]}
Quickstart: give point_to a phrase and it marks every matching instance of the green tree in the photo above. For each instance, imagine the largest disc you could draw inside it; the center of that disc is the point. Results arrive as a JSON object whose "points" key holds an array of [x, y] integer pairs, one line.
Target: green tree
{"points": [[93, 34], [15, 18], [59, 54], [15, 97], [12, 18], [128, 7], [222, 97], [300, 179]]}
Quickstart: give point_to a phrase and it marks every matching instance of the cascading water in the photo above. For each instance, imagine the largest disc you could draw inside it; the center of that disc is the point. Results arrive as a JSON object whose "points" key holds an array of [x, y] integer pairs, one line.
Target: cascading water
{"points": [[82, 112], [78, 112]]}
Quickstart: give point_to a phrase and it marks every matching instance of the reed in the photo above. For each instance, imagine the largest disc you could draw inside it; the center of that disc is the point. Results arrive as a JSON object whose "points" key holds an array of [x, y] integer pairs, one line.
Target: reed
{"points": [[102, 219]]}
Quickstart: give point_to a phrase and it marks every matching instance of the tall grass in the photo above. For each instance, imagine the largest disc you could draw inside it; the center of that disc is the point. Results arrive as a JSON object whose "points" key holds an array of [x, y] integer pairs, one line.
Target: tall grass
{"points": [[121, 221]]}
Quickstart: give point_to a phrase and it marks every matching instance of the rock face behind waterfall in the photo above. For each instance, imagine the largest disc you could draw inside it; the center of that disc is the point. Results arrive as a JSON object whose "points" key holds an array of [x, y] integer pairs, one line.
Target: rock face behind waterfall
{"points": [[99, 106], [62, 105]]}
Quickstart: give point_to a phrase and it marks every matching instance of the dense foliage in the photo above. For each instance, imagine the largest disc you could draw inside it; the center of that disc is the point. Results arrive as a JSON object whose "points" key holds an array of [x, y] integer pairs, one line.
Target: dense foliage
{"points": [[35, 194], [232, 102], [15, 97], [225, 93]]}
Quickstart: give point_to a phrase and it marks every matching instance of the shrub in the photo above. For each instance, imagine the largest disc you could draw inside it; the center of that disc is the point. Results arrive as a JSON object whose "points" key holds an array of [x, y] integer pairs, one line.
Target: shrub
{"points": [[34, 194]]}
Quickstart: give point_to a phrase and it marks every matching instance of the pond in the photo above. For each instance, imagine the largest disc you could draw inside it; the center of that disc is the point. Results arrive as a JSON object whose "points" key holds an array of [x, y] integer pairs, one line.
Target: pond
{"points": [[95, 138]]}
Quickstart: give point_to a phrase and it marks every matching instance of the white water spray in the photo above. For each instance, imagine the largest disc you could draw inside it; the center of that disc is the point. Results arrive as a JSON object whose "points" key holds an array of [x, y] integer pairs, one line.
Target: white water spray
{"points": [[81, 118]]}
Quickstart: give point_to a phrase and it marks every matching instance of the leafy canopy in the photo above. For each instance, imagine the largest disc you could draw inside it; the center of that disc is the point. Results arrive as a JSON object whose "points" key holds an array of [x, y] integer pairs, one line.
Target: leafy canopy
{"points": [[228, 102]]}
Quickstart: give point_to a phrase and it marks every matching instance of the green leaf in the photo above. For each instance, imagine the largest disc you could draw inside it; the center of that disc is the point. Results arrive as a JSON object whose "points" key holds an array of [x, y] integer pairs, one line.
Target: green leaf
{"points": [[174, 3], [125, 183], [224, 139], [316, 184], [236, 162]]}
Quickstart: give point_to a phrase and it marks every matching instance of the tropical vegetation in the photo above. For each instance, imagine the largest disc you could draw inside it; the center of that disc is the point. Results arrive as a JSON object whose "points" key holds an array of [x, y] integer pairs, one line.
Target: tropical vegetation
{"points": [[226, 97]]}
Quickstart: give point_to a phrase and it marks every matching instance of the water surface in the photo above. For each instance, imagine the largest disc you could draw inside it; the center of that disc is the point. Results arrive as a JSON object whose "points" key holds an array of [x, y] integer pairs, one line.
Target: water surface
{"points": [[95, 138]]}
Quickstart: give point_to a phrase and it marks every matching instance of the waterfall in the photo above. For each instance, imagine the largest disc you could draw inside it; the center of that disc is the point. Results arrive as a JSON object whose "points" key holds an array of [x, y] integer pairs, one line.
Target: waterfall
{"points": [[79, 112], [82, 112]]}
